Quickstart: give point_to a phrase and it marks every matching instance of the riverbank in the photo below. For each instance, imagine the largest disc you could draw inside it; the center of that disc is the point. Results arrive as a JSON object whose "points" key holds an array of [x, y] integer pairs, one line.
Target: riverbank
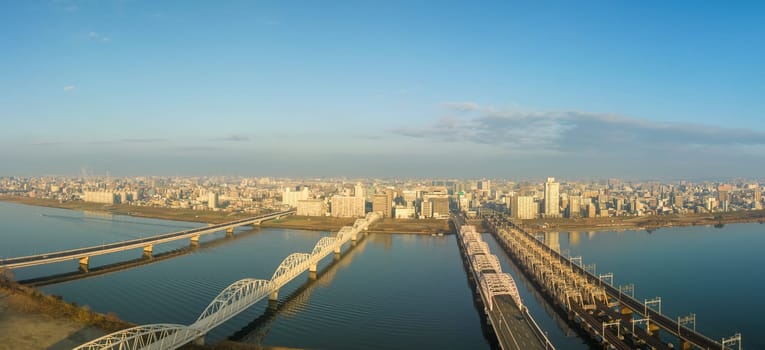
{"points": [[211, 217], [388, 225], [648, 223], [30, 320], [312, 223]]}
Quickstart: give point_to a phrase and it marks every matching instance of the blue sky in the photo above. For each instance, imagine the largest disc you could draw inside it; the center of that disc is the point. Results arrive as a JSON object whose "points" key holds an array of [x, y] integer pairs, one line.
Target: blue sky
{"points": [[645, 89]]}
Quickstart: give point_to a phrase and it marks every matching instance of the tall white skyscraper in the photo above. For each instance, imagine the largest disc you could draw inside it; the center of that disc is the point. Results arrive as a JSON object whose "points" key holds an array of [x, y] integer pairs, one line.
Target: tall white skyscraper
{"points": [[552, 208]]}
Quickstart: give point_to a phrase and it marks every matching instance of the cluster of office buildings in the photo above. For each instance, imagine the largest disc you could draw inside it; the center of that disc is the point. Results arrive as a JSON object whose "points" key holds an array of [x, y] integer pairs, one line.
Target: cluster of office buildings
{"points": [[417, 198]]}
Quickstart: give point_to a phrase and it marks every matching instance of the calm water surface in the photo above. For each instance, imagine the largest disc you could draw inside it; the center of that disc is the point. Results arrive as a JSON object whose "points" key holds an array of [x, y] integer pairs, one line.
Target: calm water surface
{"points": [[388, 291]]}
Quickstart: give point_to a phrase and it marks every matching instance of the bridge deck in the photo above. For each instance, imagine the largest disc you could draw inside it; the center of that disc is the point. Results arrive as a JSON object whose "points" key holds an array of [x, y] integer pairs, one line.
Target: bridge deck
{"points": [[512, 325], [73, 254], [548, 255]]}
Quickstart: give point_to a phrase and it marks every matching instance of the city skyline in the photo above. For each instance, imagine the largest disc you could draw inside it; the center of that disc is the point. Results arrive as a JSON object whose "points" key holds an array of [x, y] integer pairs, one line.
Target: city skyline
{"points": [[597, 89]]}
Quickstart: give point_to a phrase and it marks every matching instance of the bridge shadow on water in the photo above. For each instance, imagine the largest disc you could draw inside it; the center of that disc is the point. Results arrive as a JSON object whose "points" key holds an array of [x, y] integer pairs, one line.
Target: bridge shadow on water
{"points": [[255, 332], [130, 264]]}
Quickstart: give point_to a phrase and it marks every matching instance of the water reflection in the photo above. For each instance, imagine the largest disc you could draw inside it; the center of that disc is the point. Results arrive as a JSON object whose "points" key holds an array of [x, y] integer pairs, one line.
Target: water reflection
{"points": [[256, 331]]}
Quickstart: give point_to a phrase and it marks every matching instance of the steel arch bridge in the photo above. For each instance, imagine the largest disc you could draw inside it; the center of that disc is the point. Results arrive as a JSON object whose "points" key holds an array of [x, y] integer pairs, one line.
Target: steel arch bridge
{"points": [[234, 299]]}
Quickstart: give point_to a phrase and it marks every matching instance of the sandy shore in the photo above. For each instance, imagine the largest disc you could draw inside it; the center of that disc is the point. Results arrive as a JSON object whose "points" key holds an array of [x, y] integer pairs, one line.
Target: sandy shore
{"points": [[22, 327]]}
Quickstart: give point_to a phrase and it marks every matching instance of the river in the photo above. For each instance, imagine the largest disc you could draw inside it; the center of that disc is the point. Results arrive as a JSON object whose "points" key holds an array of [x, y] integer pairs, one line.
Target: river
{"points": [[388, 291]]}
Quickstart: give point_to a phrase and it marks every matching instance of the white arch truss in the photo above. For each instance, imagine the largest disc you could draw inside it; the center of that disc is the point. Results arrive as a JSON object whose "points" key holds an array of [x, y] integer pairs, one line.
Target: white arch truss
{"points": [[323, 244], [159, 336], [228, 303], [239, 295], [488, 262], [290, 264], [479, 247], [470, 237], [495, 284]]}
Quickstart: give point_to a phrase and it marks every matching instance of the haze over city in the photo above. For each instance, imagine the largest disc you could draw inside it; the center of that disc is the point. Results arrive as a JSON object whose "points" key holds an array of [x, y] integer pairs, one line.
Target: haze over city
{"points": [[580, 89]]}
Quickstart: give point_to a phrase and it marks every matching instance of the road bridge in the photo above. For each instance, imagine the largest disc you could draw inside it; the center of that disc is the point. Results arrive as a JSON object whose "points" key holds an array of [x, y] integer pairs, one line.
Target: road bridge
{"points": [[602, 310], [236, 298], [513, 325], [132, 263], [147, 243]]}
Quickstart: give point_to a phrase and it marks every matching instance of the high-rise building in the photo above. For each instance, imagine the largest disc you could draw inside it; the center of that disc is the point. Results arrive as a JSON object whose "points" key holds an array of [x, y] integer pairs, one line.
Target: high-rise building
{"points": [[574, 209], [440, 207], [757, 198], [591, 210], [381, 204], [552, 207], [311, 207], [484, 186], [523, 207], [212, 200], [358, 190], [347, 206], [291, 198], [426, 209], [106, 197], [391, 196]]}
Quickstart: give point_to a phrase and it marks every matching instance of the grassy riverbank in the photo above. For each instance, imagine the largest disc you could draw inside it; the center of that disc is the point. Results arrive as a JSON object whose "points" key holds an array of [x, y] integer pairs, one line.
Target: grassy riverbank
{"points": [[205, 216], [30, 319], [314, 223], [327, 223], [645, 222]]}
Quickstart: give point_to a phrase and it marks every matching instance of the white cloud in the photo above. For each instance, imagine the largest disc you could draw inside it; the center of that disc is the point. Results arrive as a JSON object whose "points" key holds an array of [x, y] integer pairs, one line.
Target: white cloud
{"points": [[94, 36], [69, 88], [574, 132]]}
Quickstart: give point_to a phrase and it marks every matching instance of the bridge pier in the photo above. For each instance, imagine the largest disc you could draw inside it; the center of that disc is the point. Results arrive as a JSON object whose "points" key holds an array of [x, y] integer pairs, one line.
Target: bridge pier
{"points": [[256, 224], [147, 250], [274, 296], [685, 345], [312, 268], [312, 275], [230, 232], [84, 263], [338, 249], [194, 240]]}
